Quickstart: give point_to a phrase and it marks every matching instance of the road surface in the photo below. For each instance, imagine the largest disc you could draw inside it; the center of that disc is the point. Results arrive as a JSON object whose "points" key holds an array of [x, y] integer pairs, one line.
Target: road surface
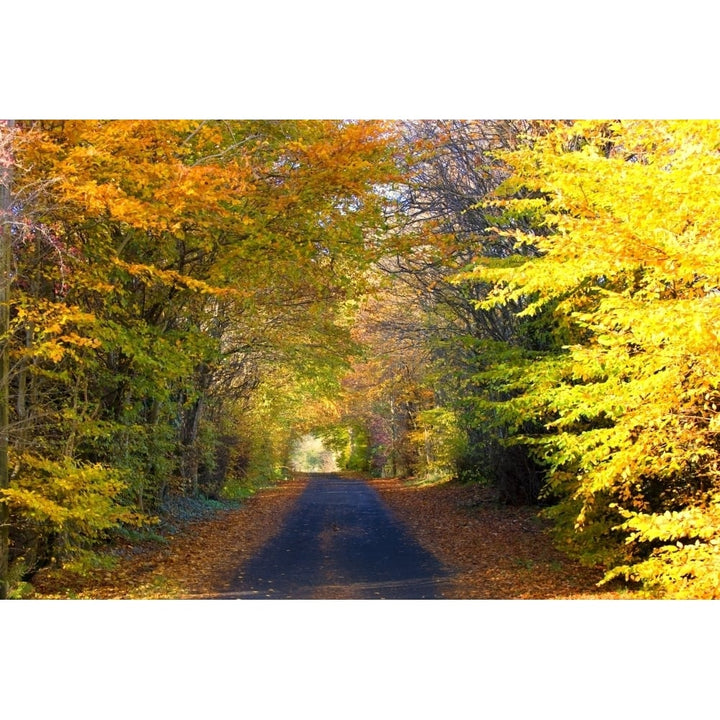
{"points": [[340, 541]]}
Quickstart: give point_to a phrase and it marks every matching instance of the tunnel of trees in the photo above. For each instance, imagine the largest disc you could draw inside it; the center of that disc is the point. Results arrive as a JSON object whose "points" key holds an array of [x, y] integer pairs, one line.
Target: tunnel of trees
{"points": [[530, 305]]}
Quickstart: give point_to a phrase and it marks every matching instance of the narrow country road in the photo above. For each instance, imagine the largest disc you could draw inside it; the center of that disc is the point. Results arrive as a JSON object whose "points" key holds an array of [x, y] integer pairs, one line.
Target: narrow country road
{"points": [[340, 541]]}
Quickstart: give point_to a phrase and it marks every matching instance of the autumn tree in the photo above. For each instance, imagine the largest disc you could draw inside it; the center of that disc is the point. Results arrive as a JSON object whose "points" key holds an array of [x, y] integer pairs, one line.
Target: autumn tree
{"points": [[625, 407], [384, 391], [440, 226], [168, 267]]}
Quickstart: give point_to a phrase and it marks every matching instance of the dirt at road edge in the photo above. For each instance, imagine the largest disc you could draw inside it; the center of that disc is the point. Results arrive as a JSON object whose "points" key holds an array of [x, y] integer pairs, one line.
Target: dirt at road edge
{"points": [[499, 552], [199, 561]]}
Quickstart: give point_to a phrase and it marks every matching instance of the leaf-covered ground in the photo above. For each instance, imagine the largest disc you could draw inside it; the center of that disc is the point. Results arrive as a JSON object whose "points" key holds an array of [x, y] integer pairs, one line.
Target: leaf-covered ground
{"points": [[199, 560], [499, 552]]}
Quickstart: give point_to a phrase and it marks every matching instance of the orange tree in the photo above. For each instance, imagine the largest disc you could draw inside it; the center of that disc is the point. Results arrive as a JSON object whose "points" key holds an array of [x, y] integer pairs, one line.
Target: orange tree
{"points": [[159, 267]]}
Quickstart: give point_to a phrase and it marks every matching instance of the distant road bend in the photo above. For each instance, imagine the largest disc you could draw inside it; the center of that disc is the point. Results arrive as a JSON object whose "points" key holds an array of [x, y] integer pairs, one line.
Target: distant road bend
{"points": [[340, 541]]}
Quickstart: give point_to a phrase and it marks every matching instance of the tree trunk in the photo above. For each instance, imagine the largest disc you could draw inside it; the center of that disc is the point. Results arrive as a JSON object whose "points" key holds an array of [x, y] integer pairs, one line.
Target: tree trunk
{"points": [[190, 460], [5, 269]]}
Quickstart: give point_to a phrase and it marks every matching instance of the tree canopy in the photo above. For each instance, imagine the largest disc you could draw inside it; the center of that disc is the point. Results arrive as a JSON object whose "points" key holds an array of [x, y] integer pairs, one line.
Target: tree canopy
{"points": [[525, 304], [162, 272]]}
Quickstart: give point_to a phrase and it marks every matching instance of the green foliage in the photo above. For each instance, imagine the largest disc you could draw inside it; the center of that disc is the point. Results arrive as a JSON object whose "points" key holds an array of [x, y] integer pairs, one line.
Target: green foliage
{"points": [[440, 443], [350, 443], [75, 504], [19, 589]]}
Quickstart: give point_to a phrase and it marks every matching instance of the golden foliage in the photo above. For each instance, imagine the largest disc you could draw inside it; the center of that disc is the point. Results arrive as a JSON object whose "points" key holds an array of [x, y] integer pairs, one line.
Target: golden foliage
{"points": [[628, 258], [162, 271]]}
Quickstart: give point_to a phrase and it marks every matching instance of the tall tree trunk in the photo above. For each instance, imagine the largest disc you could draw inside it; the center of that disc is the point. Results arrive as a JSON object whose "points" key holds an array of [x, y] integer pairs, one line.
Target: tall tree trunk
{"points": [[191, 458], [5, 268]]}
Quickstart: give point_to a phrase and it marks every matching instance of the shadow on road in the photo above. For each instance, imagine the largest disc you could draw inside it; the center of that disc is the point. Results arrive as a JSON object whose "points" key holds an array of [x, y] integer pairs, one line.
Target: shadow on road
{"points": [[340, 541]]}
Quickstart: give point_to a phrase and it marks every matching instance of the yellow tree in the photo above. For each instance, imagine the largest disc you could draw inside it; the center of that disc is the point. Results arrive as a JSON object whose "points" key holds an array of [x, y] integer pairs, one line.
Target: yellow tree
{"points": [[629, 268]]}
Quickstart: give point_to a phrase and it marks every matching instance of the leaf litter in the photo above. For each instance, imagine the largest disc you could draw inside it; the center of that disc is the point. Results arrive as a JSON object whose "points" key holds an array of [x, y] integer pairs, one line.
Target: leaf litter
{"points": [[496, 551]]}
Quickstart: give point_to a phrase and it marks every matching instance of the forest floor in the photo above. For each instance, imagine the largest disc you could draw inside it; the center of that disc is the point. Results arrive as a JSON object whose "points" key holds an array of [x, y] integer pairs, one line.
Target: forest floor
{"points": [[199, 559], [497, 551]]}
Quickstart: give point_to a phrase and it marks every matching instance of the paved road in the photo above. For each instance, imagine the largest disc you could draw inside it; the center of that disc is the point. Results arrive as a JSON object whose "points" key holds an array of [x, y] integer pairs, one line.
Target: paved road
{"points": [[340, 541]]}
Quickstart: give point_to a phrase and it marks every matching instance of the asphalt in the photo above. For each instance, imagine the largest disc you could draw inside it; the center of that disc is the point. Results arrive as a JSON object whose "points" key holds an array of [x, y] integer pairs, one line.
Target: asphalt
{"points": [[340, 541]]}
